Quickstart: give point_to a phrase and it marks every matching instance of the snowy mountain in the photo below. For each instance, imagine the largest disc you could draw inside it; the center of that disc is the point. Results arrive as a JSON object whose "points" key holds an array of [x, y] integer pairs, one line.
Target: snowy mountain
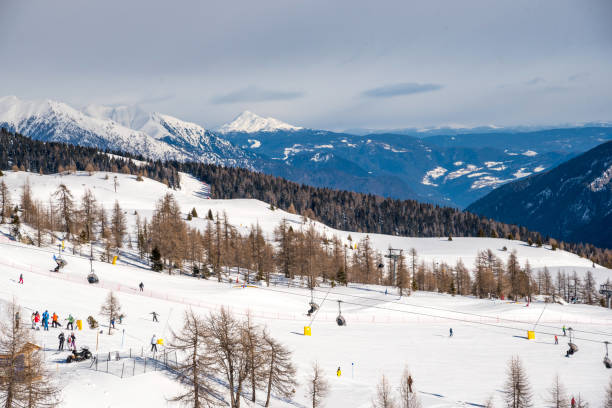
{"points": [[248, 122], [128, 129], [572, 201]]}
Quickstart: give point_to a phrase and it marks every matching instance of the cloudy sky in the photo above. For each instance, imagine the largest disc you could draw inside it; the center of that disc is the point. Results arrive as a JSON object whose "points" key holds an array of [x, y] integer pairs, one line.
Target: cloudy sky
{"points": [[331, 64]]}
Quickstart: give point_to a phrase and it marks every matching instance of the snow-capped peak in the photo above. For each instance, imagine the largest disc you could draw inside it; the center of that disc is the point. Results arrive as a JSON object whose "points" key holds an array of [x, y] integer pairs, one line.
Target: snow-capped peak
{"points": [[249, 122]]}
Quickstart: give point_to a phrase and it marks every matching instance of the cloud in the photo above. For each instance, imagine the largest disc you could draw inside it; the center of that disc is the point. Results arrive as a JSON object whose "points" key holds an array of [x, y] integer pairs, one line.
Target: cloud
{"points": [[254, 94], [406, 88], [578, 77], [535, 81]]}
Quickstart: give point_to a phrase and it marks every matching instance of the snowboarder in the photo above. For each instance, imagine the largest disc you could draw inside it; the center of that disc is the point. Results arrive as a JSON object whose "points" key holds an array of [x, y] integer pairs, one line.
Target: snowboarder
{"points": [[70, 325], [564, 330], [141, 286], [338, 372], [21, 278], [556, 339], [451, 332], [154, 316], [45, 320], [61, 339], [73, 341], [154, 343]]}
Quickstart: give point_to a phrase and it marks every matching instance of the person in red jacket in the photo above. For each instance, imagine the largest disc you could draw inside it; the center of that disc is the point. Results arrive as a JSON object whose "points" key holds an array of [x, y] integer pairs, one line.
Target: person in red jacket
{"points": [[573, 403], [556, 340]]}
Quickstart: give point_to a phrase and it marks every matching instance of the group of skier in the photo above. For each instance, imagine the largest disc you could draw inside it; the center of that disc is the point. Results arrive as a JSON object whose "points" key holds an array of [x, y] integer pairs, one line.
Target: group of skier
{"points": [[71, 340]]}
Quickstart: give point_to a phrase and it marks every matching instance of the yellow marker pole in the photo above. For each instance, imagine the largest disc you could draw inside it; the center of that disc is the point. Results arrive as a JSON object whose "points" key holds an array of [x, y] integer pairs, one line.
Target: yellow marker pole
{"points": [[114, 259], [307, 331], [530, 335]]}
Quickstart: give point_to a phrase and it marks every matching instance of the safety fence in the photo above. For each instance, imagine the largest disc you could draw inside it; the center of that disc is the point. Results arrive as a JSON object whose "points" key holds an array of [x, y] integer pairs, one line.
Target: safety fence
{"points": [[132, 362]]}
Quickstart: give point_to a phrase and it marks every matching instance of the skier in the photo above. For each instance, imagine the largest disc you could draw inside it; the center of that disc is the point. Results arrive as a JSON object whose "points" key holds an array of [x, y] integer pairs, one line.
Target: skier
{"points": [[61, 339], [36, 318], [69, 341], [154, 316], [564, 330], [338, 372], [54, 322], [33, 319], [451, 332], [410, 383], [556, 339], [45, 320], [73, 341], [573, 403], [112, 322], [21, 278], [17, 319], [141, 286], [70, 325], [154, 343]]}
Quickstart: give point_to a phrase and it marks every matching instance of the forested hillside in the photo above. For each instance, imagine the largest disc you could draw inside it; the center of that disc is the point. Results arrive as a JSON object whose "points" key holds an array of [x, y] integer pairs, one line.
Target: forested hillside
{"points": [[340, 209]]}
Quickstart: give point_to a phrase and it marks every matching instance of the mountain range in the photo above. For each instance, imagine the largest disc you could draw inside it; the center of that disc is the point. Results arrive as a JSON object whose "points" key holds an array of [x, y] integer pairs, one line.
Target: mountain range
{"points": [[454, 168], [572, 202]]}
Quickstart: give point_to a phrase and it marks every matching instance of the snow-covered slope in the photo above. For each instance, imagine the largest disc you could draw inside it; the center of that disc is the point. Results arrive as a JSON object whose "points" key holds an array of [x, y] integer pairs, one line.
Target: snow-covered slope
{"points": [[248, 122], [384, 332], [128, 129]]}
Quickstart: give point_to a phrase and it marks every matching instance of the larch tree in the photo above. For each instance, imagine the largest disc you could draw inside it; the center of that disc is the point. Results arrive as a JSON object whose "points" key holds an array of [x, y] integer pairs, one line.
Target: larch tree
{"points": [[65, 205], [5, 202], [407, 393], [196, 366], [607, 403], [384, 395], [118, 225], [317, 386], [279, 372], [557, 396], [111, 308], [88, 214], [516, 389]]}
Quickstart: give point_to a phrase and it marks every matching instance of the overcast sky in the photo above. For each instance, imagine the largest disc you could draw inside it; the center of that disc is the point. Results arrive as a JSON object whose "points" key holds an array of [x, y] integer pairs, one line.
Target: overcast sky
{"points": [[331, 64]]}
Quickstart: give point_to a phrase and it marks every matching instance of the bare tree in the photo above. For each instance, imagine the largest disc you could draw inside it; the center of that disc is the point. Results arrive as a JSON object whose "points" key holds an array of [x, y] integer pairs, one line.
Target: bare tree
{"points": [[253, 347], [5, 202], [608, 397], [118, 225], [317, 386], [66, 207], [557, 395], [517, 390], [196, 366], [111, 308], [279, 370], [383, 398], [25, 382], [88, 214], [407, 393]]}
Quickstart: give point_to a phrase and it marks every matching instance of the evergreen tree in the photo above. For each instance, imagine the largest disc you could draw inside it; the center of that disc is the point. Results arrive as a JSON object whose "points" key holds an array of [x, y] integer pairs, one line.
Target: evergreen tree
{"points": [[156, 261]]}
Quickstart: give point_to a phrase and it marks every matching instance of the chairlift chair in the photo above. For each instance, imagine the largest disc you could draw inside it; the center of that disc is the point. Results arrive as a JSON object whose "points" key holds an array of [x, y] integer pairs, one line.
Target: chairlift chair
{"points": [[92, 277], [573, 348], [606, 359], [340, 320], [313, 306]]}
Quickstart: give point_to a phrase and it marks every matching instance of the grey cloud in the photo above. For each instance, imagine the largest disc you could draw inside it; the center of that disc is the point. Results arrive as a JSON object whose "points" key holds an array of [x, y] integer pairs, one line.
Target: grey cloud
{"points": [[535, 81], [578, 77], [407, 88], [254, 94]]}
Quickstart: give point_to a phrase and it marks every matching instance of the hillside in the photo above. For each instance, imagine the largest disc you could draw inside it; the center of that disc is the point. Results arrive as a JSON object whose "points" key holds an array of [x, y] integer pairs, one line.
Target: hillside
{"points": [[415, 327], [572, 201]]}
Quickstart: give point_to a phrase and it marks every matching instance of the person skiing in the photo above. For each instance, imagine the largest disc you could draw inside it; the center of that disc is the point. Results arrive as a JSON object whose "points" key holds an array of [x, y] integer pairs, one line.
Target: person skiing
{"points": [[410, 383], [73, 341], [141, 286], [556, 339], [36, 318], [154, 343], [70, 325], [564, 330], [54, 322], [573, 403], [112, 322], [450, 332], [69, 341], [338, 372], [154, 316], [21, 278], [17, 319], [61, 339], [45, 320], [33, 319]]}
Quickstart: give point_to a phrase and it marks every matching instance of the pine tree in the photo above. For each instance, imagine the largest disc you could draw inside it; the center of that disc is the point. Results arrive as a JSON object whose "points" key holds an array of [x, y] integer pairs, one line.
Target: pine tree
{"points": [[384, 397], [196, 365], [517, 389], [111, 308], [210, 215], [317, 387], [194, 213], [156, 262]]}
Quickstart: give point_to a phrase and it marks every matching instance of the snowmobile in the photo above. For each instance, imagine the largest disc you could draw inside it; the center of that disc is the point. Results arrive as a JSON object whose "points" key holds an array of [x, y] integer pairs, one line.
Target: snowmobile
{"points": [[76, 356]]}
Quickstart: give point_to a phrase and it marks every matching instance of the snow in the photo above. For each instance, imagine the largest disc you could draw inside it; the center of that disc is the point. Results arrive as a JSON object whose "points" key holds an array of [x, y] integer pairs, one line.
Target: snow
{"points": [[432, 175], [254, 143], [249, 122], [486, 181], [529, 153], [383, 334], [603, 181], [458, 163], [539, 169], [324, 146], [319, 157], [463, 171], [521, 173]]}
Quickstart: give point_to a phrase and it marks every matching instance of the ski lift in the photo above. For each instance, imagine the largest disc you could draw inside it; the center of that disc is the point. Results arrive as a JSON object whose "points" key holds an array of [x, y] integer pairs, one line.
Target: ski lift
{"points": [[606, 359], [573, 348], [340, 319], [313, 306], [92, 277]]}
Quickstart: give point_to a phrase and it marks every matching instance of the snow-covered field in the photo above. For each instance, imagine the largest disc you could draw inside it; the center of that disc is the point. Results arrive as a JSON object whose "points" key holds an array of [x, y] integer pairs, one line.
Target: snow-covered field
{"points": [[384, 333]]}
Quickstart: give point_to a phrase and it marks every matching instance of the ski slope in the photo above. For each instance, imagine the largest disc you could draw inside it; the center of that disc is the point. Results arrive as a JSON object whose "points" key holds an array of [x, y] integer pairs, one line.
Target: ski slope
{"points": [[384, 332]]}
